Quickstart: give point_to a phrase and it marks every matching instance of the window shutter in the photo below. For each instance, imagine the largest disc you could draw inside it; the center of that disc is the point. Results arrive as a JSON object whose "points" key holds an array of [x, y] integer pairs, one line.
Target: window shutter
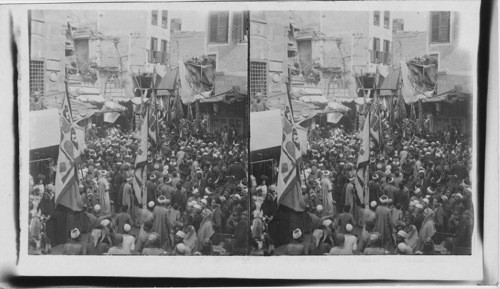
{"points": [[222, 23], [435, 27], [444, 27], [213, 27], [237, 27]]}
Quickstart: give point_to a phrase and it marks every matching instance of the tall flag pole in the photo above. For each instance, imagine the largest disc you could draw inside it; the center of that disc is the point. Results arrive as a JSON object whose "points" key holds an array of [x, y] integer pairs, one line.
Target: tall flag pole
{"points": [[141, 159], [153, 120], [289, 191], [67, 193], [375, 122], [361, 180]]}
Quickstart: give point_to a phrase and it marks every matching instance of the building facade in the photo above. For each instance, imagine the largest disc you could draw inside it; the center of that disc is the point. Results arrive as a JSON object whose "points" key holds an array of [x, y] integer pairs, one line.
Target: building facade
{"points": [[409, 44], [186, 44], [226, 42], [49, 46], [143, 42], [448, 45], [269, 52]]}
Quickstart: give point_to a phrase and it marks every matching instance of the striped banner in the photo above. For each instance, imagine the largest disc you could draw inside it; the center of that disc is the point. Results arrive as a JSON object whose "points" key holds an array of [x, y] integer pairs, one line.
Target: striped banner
{"points": [[361, 180]]}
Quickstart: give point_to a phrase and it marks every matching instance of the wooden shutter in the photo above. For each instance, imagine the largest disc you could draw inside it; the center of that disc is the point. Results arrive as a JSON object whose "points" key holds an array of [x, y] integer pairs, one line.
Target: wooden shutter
{"points": [[444, 27], [219, 26], [222, 23], [213, 26], [237, 26], [435, 26]]}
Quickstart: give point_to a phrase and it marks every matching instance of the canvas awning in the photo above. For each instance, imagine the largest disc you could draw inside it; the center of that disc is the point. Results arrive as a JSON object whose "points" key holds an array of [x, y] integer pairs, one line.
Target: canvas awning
{"points": [[44, 129], [319, 99], [111, 106], [138, 100], [447, 83], [265, 129], [168, 80], [301, 110], [390, 82], [337, 107]]}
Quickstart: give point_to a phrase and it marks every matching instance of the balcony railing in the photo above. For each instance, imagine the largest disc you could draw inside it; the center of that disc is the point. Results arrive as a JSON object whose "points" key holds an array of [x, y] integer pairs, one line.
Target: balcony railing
{"points": [[159, 57], [381, 57]]}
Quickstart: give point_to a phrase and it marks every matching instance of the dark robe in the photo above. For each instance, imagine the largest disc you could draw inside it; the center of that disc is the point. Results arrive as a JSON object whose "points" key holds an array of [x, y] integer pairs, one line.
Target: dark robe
{"points": [[48, 209], [160, 226]]}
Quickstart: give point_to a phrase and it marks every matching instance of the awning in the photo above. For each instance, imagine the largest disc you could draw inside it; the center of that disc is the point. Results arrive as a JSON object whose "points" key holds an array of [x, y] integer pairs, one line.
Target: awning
{"points": [[44, 129], [226, 83], [337, 107], [111, 106], [265, 129], [301, 110], [306, 91], [411, 90], [168, 80], [95, 99], [82, 90], [447, 83], [390, 82], [320, 99], [137, 100]]}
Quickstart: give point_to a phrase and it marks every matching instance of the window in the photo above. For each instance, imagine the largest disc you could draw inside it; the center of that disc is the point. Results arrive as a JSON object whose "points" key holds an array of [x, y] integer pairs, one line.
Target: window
{"points": [[258, 77], [376, 55], [37, 69], [237, 26], [154, 17], [387, 46], [164, 19], [376, 44], [387, 19], [440, 26], [164, 46], [218, 26], [162, 55], [387, 55], [376, 18], [154, 44], [152, 49]]}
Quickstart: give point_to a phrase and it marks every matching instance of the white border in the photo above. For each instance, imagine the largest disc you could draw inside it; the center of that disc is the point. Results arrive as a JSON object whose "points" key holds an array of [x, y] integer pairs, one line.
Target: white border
{"points": [[306, 267]]}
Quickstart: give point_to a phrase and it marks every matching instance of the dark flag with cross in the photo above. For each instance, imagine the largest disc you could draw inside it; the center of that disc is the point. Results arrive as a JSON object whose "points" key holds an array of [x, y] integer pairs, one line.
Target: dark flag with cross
{"points": [[67, 192]]}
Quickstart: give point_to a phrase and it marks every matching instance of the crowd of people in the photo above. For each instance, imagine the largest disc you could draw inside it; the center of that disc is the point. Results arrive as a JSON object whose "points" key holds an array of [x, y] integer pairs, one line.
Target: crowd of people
{"points": [[420, 197], [197, 197]]}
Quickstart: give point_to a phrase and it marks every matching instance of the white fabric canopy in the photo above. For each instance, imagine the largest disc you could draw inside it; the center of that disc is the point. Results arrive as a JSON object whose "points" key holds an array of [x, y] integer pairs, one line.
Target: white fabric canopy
{"points": [[44, 128], [265, 129]]}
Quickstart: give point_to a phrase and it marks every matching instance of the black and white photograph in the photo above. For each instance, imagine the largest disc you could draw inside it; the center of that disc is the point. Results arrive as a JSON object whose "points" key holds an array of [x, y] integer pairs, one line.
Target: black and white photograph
{"points": [[281, 142], [138, 132], [371, 146]]}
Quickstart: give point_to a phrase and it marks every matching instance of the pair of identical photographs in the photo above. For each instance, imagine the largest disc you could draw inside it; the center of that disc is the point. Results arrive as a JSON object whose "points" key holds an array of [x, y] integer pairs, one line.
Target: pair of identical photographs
{"points": [[215, 132]]}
